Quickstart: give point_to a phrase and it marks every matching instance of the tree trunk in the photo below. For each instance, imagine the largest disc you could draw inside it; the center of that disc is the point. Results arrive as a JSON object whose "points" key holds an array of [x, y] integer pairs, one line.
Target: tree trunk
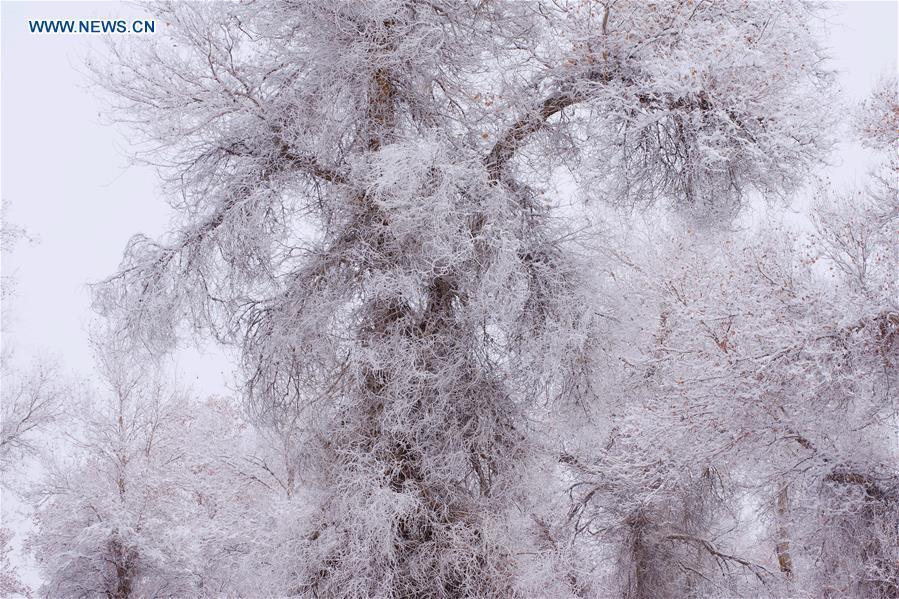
{"points": [[782, 547]]}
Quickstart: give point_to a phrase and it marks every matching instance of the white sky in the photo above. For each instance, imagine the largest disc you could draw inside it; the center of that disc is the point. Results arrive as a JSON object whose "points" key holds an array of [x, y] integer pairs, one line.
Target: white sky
{"points": [[71, 186], [861, 37]]}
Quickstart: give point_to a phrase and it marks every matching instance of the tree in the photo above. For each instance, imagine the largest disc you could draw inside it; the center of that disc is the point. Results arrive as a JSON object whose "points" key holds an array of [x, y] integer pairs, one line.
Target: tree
{"points": [[360, 215], [877, 120], [247, 502], [765, 377], [110, 516], [31, 402], [855, 522], [156, 494], [11, 584]]}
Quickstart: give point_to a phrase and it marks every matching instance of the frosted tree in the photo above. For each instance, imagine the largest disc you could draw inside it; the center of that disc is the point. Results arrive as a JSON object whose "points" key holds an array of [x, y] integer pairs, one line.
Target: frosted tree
{"points": [[30, 403], [247, 498], [31, 399], [10, 236], [766, 374], [11, 584], [854, 527], [751, 382], [360, 190], [657, 492], [877, 120], [111, 514], [155, 494]]}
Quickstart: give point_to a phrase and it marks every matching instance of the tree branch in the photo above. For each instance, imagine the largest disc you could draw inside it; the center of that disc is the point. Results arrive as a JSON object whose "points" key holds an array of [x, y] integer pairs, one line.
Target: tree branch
{"points": [[509, 143]]}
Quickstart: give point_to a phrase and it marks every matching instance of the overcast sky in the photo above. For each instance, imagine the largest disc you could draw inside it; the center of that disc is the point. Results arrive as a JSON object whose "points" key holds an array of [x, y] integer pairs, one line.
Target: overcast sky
{"points": [[70, 184]]}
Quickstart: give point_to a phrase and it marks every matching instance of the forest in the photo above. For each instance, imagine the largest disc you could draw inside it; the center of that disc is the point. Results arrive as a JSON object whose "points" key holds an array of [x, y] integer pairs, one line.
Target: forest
{"points": [[517, 308]]}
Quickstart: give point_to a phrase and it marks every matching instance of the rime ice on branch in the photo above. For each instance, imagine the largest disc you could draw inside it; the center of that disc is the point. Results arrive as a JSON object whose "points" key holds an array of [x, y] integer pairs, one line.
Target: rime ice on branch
{"points": [[357, 212]]}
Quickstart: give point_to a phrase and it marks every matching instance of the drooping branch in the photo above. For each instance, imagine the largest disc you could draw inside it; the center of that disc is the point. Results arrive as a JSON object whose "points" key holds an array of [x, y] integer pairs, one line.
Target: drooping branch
{"points": [[720, 557], [307, 165]]}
